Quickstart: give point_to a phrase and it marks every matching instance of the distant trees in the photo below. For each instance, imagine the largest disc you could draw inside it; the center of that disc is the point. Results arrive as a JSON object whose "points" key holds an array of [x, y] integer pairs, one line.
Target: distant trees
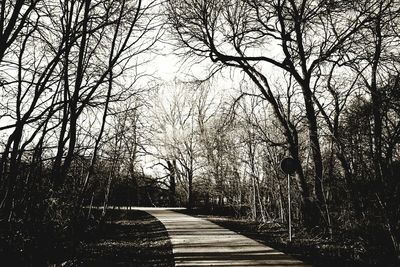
{"points": [[175, 136]]}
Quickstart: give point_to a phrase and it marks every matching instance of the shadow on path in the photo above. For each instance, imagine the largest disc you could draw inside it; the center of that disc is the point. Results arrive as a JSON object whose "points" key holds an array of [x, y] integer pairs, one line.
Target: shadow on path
{"points": [[198, 242], [129, 238]]}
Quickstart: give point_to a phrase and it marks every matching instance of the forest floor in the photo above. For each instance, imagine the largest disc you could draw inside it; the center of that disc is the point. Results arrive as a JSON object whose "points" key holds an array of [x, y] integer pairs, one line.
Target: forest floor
{"points": [[128, 238], [312, 248]]}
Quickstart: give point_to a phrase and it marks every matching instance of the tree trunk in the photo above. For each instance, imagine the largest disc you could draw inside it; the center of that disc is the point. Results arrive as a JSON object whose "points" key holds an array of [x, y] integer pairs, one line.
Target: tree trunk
{"points": [[73, 107], [107, 194], [172, 182], [190, 190]]}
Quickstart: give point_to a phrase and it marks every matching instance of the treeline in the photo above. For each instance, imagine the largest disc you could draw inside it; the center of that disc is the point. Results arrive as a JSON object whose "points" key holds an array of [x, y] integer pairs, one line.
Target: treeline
{"points": [[65, 67], [319, 82]]}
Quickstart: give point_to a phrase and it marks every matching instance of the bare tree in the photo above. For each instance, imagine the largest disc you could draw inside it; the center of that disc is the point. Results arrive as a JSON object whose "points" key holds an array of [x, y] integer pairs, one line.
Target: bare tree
{"points": [[61, 63], [304, 35]]}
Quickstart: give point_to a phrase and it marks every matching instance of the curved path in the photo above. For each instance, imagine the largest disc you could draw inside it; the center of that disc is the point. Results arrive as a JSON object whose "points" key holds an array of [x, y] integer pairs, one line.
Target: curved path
{"points": [[198, 242]]}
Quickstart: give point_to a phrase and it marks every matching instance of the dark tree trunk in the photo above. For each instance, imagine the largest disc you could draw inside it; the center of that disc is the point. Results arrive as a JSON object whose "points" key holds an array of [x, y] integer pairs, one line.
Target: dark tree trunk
{"points": [[190, 190], [172, 182]]}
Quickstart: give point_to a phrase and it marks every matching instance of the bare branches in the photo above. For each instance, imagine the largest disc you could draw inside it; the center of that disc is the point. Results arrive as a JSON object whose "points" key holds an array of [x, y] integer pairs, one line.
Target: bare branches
{"points": [[60, 63]]}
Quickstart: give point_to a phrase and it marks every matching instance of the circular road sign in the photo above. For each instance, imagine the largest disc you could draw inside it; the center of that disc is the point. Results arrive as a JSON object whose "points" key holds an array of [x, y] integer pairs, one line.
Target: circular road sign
{"points": [[289, 165]]}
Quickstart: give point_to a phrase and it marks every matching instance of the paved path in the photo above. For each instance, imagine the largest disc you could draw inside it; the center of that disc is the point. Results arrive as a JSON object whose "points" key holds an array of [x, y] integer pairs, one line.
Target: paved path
{"points": [[198, 242]]}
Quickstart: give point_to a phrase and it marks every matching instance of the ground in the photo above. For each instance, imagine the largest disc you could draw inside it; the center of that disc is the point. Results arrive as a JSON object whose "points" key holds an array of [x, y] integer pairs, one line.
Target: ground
{"points": [[128, 238], [313, 249], [136, 238]]}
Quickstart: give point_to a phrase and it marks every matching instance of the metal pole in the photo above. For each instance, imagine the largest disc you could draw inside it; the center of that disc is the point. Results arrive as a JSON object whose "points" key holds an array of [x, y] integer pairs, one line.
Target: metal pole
{"points": [[290, 215]]}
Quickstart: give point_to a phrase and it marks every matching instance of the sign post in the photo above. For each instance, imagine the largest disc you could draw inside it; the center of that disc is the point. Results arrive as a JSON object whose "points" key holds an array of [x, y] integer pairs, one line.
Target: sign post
{"points": [[289, 166], [289, 208]]}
